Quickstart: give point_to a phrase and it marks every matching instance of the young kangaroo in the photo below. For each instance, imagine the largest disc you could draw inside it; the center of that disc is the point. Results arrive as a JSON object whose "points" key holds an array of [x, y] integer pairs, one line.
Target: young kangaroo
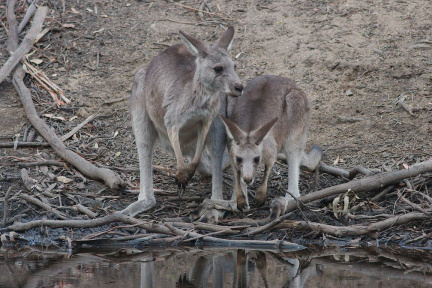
{"points": [[174, 100], [272, 116]]}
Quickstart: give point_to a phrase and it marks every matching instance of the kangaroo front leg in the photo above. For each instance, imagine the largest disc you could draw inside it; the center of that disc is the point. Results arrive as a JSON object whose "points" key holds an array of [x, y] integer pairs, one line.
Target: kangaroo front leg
{"points": [[261, 192], [199, 149], [182, 175]]}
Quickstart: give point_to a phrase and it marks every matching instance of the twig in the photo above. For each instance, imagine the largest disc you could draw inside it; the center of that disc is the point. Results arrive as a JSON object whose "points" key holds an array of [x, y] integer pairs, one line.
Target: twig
{"points": [[24, 144], [42, 163], [42, 205], [343, 173], [86, 211], [413, 205], [77, 128], [5, 205], [116, 100], [25, 45], [46, 83], [30, 11]]}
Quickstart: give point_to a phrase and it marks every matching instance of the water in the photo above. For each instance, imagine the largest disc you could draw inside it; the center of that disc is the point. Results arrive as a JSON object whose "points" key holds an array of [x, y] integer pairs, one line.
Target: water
{"points": [[192, 267]]}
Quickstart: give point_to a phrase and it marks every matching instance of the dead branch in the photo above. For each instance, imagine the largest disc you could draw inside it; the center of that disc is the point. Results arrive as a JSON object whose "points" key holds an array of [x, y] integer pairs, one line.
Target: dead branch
{"points": [[154, 227], [86, 211], [343, 173], [366, 184], [353, 230], [413, 205], [25, 45], [85, 167], [30, 11], [42, 163], [121, 99], [24, 144], [42, 205], [77, 128]]}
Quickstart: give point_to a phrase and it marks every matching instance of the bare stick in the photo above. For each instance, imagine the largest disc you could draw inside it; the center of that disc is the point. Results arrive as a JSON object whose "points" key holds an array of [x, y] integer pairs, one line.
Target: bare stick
{"points": [[86, 211], [5, 206], [85, 167], [77, 128], [23, 144], [353, 230], [344, 173], [30, 11], [42, 205], [116, 100], [42, 163], [25, 45], [413, 205], [365, 184]]}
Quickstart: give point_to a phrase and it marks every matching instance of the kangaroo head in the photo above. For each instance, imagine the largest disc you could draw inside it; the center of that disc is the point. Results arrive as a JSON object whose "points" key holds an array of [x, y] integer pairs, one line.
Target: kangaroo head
{"points": [[214, 67], [246, 148]]}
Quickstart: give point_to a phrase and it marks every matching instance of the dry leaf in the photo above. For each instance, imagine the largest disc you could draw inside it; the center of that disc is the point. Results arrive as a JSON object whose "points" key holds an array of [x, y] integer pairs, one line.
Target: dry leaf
{"points": [[67, 25], [64, 180], [51, 116], [336, 161]]}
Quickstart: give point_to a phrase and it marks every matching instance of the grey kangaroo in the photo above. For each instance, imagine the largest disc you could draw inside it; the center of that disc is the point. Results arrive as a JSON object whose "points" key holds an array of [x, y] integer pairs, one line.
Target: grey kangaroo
{"points": [[272, 116], [174, 100]]}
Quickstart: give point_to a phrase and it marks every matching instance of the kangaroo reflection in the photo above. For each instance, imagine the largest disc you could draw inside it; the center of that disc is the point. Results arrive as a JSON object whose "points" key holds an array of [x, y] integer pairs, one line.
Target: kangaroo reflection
{"points": [[241, 269]]}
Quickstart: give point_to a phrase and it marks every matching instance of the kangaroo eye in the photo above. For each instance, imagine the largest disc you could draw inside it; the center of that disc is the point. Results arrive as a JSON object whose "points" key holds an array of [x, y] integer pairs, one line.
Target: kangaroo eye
{"points": [[218, 69], [239, 160], [256, 160]]}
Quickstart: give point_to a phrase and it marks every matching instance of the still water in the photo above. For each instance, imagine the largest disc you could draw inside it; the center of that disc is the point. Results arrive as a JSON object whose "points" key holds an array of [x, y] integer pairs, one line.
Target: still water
{"points": [[193, 267]]}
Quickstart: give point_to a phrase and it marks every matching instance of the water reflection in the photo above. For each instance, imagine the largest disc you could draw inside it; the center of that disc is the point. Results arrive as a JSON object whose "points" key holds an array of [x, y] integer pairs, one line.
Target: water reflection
{"points": [[169, 267]]}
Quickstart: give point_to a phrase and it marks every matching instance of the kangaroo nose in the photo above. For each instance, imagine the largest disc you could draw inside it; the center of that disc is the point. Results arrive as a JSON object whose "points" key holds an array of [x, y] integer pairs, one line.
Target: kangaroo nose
{"points": [[247, 180], [239, 87]]}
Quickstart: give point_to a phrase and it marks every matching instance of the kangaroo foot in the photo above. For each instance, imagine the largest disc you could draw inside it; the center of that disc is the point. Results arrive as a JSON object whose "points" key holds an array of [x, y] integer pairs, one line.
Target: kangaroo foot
{"points": [[139, 207]]}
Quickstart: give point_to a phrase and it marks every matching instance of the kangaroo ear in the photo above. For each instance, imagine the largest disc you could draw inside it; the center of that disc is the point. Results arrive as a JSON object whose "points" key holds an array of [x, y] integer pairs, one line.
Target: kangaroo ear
{"points": [[261, 133], [225, 41], [195, 46], [234, 132]]}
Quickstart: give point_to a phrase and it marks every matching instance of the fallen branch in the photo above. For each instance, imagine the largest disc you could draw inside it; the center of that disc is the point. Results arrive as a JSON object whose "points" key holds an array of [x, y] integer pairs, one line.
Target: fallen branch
{"points": [[26, 44], [24, 144], [42, 163], [353, 230], [344, 173], [365, 184], [167, 229], [30, 11], [85, 167], [42, 205], [77, 128]]}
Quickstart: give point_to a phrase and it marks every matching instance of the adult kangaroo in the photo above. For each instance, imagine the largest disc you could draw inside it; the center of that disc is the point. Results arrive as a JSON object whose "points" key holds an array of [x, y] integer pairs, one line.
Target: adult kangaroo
{"points": [[272, 116], [174, 100]]}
